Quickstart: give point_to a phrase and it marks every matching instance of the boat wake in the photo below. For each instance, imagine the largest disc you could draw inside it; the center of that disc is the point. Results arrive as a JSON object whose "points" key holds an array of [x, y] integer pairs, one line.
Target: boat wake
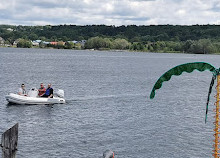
{"points": [[84, 98]]}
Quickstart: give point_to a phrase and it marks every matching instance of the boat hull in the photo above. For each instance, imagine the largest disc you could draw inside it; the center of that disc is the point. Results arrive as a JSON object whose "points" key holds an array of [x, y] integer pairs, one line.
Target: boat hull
{"points": [[18, 99]]}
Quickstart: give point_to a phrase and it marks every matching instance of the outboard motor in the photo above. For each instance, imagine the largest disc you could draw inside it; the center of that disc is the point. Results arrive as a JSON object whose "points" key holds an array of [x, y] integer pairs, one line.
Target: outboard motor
{"points": [[33, 92], [60, 93]]}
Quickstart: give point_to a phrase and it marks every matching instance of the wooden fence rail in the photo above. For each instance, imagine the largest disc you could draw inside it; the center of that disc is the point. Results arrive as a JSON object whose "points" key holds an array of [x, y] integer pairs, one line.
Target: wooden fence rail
{"points": [[9, 142]]}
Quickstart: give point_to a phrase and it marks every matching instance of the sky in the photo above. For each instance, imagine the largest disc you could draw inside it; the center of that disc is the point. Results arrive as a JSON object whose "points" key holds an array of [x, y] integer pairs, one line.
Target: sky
{"points": [[109, 12]]}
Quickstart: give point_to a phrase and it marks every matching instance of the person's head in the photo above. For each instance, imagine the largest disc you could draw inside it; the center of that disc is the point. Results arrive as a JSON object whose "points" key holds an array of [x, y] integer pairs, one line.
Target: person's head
{"points": [[22, 86], [108, 154], [42, 85], [49, 85]]}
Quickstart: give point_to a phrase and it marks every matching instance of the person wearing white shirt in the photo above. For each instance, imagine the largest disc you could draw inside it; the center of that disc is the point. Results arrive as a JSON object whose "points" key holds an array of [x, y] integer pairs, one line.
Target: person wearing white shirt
{"points": [[22, 90]]}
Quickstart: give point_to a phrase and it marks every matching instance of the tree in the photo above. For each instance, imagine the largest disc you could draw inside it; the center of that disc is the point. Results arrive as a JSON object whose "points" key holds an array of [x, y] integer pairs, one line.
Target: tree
{"points": [[97, 43], [60, 45], [121, 44], [69, 45], [42, 45], [137, 46], [174, 46], [33, 36], [24, 43], [207, 46], [43, 38], [187, 45], [202, 46]]}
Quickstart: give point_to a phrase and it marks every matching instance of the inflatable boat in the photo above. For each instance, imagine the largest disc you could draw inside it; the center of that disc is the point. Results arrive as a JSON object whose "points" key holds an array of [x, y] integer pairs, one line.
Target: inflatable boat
{"points": [[32, 98]]}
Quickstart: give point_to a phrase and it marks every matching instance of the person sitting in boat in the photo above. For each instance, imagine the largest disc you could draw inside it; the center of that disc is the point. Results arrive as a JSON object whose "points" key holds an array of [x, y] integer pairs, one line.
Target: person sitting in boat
{"points": [[41, 90], [22, 90], [49, 92]]}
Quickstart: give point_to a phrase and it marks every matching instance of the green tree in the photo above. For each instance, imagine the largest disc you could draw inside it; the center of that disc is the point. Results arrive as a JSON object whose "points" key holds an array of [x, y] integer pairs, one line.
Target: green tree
{"points": [[43, 38], [202, 46], [174, 46], [42, 45], [137, 46], [33, 36], [24, 43], [120, 44], [69, 45], [60, 45], [187, 45], [77, 46], [207, 46], [97, 43]]}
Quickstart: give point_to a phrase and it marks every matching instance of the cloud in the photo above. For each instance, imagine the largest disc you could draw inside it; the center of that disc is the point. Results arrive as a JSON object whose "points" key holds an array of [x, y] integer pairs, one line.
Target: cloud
{"points": [[109, 12]]}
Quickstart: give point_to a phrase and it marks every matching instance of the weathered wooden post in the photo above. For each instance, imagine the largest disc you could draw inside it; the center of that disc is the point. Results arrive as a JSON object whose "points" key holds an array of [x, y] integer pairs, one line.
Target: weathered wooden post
{"points": [[9, 142], [216, 130]]}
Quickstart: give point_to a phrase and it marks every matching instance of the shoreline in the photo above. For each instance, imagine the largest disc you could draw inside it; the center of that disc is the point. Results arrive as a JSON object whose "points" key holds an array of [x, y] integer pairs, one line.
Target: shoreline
{"points": [[113, 50]]}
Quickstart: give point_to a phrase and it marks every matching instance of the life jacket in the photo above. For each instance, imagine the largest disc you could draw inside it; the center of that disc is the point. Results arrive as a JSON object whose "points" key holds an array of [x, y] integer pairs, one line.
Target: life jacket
{"points": [[24, 91], [41, 91], [48, 91]]}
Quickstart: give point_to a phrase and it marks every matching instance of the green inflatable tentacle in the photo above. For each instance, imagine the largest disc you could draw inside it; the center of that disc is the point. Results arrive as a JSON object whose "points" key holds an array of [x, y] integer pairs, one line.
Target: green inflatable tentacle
{"points": [[210, 91], [178, 70]]}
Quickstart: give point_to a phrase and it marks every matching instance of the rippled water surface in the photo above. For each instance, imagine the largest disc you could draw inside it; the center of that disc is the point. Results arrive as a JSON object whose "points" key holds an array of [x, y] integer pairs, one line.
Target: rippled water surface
{"points": [[108, 105]]}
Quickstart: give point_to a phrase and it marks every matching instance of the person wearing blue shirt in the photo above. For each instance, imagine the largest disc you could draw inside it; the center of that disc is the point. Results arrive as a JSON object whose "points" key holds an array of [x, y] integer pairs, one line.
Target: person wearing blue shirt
{"points": [[49, 92]]}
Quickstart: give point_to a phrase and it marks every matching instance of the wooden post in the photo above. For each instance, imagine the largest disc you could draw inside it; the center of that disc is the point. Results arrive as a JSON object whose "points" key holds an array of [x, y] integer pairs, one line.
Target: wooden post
{"points": [[216, 130], [9, 142]]}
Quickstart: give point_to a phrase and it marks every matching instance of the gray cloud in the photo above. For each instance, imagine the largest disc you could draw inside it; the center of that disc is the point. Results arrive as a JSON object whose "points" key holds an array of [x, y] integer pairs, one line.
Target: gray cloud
{"points": [[109, 12]]}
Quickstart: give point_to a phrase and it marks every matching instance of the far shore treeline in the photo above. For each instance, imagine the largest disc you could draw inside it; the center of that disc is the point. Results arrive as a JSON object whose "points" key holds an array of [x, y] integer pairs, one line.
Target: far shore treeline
{"points": [[199, 39]]}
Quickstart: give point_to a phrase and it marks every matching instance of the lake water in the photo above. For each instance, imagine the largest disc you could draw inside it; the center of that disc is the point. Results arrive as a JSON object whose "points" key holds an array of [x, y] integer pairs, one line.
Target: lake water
{"points": [[108, 105]]}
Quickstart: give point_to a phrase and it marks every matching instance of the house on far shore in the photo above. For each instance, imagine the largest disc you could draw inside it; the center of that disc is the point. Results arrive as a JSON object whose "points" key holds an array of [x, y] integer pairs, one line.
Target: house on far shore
{"points": [[2, 41], [36, 42], [58, 43], [82, 42], [46, 43], [16, 42], [73, 41], [10, 29], [53, 43]]}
